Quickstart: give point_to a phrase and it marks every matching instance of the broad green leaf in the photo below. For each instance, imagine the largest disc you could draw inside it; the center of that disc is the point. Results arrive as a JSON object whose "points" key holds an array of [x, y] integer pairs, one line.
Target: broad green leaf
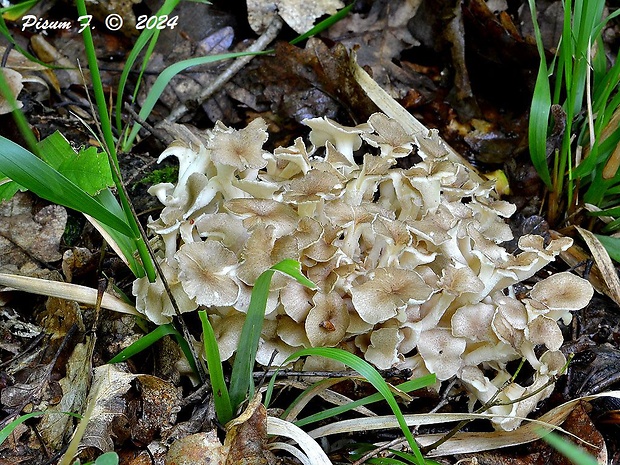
{"points": [[109, 458], [221, 398], [88, 168], [612, 245], [23, 167], [8, 189]]}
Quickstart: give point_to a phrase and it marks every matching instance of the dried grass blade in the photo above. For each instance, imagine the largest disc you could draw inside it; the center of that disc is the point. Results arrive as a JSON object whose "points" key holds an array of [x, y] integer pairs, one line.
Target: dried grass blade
{"points": [[604, 263]]}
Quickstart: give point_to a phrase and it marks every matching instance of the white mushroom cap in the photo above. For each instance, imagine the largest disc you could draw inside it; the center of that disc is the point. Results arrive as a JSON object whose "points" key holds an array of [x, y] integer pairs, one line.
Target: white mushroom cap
{"points": [[473, 321], [441, 352], [383, 351], [241, 149], [327, 322], [563, 291], [206, 270], [388, 289], [345, 139]]}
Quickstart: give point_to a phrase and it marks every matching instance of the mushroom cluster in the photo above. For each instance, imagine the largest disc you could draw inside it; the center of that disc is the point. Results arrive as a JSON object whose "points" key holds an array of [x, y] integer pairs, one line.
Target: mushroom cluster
{"points": [[408, 262]]}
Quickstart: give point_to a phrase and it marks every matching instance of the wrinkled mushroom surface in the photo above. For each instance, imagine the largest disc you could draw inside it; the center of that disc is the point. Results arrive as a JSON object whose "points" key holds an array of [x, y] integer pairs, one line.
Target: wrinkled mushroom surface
{"points": [[409, 266]]}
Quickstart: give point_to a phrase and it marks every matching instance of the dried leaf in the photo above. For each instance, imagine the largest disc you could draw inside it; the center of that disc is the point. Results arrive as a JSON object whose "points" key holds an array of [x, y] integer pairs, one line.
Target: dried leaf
{"points": [[56, 426], [197, 449], [246, 436], [379, 37], [300, 15], [152, 409], [465, 442], [604, 263], [27, 235], [108, 403]]}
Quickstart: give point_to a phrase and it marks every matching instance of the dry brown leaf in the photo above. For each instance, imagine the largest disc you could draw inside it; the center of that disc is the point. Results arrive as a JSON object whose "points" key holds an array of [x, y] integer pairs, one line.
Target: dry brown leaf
{"points": [[153, 409], [300, 15], [381, 36], [28, 236], [56, 426], [246, 436], [603, 261]]}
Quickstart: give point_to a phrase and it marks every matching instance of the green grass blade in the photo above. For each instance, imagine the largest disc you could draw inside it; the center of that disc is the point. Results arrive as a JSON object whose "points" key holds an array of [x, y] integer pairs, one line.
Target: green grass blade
{"points": [[151, 338], [574, 453], [8, 429], [407, 386], [221, 398], [31, 172], [374, 378], [142, 40], [323, 25], [241, 381], [164, 78], [539, 110]]}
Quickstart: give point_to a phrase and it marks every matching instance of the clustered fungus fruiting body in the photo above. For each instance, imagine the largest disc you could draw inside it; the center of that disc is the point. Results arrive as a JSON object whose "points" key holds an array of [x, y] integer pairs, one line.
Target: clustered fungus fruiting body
{"points": [[408, 262]]}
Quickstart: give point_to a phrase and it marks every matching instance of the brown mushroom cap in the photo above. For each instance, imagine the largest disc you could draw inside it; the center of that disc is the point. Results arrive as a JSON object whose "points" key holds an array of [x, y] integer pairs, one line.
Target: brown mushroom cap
{"points": [[563, 291], [327, 322], [378, 299], [240, 148], [441, 352]]}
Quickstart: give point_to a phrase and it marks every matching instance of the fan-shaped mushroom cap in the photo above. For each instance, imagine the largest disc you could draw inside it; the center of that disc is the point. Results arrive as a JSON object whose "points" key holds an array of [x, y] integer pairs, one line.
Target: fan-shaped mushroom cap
{"points": [[383, 351], [345, 139], [206, 269], [563, 291], [389, 136], [441, 352], [378, 299], [240, 148], [265, 212], [327, 321], [473, 321]]}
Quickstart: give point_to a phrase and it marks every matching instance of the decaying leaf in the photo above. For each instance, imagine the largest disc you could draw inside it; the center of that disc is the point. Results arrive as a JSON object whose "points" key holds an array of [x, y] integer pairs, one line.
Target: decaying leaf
{"points": [[300, 15], [381, 36], [604, 263], [28, 236], [246, 437], [114, 415], [56, 426], [305, 83]]}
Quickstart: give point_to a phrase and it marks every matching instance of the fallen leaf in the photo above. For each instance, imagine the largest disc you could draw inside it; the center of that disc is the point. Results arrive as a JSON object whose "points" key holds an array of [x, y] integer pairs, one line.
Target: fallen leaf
{"points": [[314, 81], [380, 36], [28, 236], [126, 405], [300, 15], [246, 437], [56, 426], [197, 449]]}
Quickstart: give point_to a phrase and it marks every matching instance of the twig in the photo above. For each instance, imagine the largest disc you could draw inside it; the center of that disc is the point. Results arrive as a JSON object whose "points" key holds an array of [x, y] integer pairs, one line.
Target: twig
{"points": [[265, 39]]}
